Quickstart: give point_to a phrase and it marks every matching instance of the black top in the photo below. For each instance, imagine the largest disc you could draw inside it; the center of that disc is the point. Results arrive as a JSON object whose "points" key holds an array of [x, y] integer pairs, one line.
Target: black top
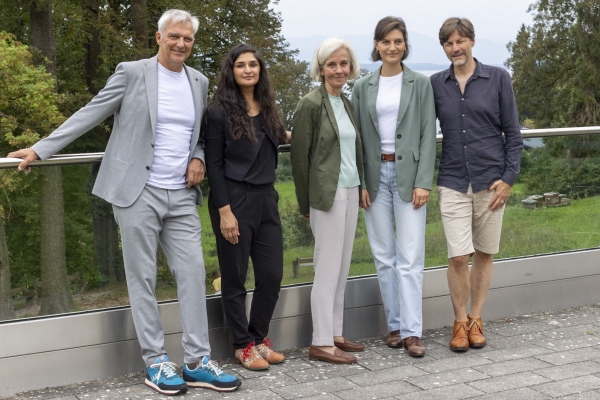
{"points": [[237, 160], [262, 170], [473, 148]]}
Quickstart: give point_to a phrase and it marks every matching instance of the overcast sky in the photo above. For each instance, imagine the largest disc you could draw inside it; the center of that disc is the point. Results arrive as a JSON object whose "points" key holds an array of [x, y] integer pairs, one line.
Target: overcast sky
{"points": [[495, 20]]}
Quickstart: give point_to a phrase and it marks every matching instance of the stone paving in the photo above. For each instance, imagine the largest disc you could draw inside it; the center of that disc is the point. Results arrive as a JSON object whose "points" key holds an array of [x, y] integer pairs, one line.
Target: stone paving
{"points": [[554, 354]]}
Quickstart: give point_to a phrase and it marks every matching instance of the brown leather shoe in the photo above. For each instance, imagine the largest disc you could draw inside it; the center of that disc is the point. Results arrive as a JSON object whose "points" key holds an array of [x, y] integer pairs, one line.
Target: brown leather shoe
{"points": [[338, 356], [459, 341], [394, 340], [414, 346], [476, 338], [349, 346]]}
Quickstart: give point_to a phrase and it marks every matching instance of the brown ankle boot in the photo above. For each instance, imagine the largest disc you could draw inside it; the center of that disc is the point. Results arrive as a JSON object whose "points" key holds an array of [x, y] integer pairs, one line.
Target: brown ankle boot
{"points": [[459, 341], [476, 338]]}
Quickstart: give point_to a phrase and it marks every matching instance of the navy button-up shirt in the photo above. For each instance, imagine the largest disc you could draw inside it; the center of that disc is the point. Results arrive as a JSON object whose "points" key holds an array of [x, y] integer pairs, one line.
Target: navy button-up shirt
{"points": [[473, 148]]}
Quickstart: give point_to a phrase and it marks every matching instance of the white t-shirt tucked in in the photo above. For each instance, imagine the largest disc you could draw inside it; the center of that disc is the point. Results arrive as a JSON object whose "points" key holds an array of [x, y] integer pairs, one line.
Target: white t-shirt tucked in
{"points": [[387, 105], [174, 127]]}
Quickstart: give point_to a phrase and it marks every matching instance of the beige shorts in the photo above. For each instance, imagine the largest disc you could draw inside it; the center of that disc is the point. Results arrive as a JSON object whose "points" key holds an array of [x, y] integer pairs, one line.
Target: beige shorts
{"points": [[468, 223]]}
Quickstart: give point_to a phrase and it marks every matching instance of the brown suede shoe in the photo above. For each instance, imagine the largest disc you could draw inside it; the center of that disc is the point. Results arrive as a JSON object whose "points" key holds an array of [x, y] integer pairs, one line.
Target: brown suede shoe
{"points": [[394, 340], [250, 359], [349, 346], [268, 354], [338, 356], [414, 346], [459, 341], [476, 338]]}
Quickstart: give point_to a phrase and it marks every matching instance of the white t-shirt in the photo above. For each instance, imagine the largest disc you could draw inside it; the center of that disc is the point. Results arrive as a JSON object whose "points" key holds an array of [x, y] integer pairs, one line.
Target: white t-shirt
{"points": [[175, 121], [387, 105]]}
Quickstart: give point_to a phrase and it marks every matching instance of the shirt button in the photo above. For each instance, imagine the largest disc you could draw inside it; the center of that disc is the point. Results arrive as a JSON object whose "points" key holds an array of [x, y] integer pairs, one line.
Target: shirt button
{"points": [[152, 144], [463, 115], [465, 147], [463, 98], [399, 136], [147, 168], [399, 157], [464, 131]]}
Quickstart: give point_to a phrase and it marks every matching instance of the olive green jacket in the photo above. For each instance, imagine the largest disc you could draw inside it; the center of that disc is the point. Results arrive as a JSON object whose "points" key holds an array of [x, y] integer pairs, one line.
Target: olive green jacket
{"points": [[415, 132], [315, 150]]}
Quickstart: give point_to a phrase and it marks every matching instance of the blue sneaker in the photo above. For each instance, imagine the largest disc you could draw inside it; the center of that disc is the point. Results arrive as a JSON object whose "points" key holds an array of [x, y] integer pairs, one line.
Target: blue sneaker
{"points": [[162, 377], [207, 374]]}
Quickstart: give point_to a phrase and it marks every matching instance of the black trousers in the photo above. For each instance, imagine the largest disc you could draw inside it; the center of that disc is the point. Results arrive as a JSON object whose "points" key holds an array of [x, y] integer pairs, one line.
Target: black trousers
{"points": [[261, 238]]}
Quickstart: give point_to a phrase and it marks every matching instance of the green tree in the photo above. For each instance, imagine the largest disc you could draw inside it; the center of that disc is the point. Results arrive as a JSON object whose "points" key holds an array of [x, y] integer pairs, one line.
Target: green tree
{"points": [[556, 80], [28, 110], [92, 37]]}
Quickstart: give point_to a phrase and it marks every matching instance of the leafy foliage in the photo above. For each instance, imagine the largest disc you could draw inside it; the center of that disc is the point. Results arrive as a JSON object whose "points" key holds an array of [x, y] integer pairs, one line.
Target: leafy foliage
{"points": [[556, 77]]}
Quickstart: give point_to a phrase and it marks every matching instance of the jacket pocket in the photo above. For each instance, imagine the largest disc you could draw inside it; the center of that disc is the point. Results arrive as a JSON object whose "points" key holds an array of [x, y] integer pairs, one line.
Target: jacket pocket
{"points": [[416, 155], [315, 185], [115, 177]]}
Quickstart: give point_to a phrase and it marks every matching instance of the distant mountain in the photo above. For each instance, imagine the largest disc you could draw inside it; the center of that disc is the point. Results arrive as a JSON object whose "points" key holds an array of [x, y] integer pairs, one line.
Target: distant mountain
{"points": [[424, 50], [414, 66]]}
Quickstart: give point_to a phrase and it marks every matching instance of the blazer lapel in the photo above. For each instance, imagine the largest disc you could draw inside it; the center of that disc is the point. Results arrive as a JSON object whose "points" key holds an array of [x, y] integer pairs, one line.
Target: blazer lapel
{"points": [[196, 93], [151, 80], [329, 109], [407, 88], [372, 96]]}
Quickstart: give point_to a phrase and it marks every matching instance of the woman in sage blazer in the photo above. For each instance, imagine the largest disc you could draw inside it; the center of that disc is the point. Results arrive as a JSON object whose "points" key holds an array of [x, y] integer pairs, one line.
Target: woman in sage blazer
{"points": [[395, 113], [326, 155]]}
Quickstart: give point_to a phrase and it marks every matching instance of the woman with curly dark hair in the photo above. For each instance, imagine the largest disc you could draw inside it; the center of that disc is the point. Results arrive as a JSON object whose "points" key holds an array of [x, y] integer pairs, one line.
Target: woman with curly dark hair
{"points": [[242, 131]]}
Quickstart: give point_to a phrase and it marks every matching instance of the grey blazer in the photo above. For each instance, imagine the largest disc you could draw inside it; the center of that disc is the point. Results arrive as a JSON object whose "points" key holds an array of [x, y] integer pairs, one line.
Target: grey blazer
{"points": [[131, 94]]}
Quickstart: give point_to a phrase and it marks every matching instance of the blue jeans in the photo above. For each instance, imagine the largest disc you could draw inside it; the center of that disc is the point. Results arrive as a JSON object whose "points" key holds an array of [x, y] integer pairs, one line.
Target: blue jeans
{"points": [[399, 258]]}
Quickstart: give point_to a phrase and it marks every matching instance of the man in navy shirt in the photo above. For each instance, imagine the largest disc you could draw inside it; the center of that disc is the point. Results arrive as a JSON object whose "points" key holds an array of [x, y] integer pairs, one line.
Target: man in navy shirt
{"points": [[481, 153]]}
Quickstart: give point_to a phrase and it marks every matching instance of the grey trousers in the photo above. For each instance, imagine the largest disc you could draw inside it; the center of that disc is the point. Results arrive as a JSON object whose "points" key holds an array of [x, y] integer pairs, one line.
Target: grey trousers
{"points": [[171, 218], [334, 232]]}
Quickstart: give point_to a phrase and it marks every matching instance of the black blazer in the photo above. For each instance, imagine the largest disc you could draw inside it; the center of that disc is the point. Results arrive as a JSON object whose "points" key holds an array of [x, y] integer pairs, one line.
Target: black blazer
{"points": [[226, 157]]}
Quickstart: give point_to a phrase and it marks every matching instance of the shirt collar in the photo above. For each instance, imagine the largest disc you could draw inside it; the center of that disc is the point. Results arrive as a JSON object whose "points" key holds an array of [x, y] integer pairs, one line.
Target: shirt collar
{"points": [[480, 71]]}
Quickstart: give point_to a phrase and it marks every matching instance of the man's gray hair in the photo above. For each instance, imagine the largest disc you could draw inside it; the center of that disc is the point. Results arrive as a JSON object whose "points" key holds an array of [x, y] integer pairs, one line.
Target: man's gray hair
{"points": [[175, 16], [325, 50]]}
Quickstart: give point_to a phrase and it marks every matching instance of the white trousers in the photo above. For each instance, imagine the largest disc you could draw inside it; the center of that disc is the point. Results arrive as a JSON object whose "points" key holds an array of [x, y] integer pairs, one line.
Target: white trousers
{"points": [[334, 232]]}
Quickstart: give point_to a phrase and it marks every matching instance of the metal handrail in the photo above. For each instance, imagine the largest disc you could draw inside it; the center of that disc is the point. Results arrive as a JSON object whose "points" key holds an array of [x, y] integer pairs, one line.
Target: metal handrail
{"points": [[90, 158]]}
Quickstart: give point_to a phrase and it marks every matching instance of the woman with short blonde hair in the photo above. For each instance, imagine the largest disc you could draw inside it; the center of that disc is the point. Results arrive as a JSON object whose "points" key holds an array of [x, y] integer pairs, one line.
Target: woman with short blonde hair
{"points": [[326, 157]]}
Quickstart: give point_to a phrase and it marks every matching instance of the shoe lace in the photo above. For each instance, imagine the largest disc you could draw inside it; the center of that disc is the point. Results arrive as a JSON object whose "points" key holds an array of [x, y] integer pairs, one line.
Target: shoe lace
{"points": [[214, 367], [247, 353], [267, 342], [167, 368], [473, 322]]}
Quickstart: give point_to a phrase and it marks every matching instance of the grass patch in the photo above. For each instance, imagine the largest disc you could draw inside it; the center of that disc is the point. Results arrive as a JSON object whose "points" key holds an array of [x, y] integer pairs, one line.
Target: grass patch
{"points": [[524, 233]]}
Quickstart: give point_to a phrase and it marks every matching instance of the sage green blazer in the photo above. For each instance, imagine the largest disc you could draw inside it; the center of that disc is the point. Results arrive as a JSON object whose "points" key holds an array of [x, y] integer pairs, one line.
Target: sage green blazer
{"points": [[315, 150], [415, 132]]}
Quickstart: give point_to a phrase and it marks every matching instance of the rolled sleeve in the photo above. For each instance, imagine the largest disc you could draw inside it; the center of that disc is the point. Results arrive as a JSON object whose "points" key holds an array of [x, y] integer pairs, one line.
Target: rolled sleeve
{"points": [[509, 119]]}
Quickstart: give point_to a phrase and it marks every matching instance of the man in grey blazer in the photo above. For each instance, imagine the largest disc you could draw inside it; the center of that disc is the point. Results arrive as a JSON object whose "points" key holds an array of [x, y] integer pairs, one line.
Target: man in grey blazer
{"points": [[150, 173]]}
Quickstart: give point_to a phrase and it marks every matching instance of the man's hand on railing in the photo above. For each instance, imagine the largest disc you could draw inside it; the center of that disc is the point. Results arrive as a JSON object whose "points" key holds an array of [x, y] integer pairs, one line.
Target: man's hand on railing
{"points": [[28, 156]]}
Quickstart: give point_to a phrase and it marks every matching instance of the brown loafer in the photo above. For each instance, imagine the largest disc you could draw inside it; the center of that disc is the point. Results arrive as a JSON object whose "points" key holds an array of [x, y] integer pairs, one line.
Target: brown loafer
{"points": [[349, 346], [338, 356], [394, 340], [459, 341], [414, 346], [475, 333]]}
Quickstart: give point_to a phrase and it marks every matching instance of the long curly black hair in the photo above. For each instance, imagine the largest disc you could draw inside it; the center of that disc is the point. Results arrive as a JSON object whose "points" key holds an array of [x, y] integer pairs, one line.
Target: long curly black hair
{"points": [[229, 96]]}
